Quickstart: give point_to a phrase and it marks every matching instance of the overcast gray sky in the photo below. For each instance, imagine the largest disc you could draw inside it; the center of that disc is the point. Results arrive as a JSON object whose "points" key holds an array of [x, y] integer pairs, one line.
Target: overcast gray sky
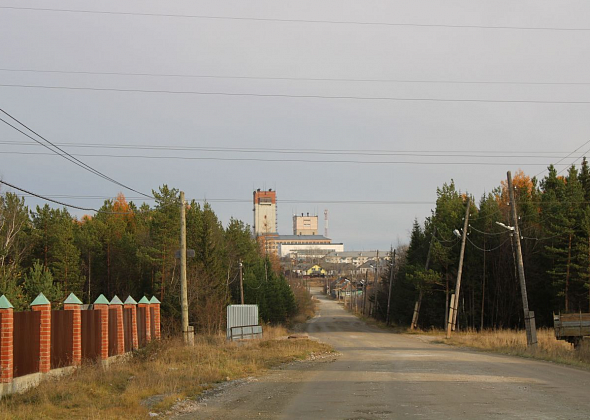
{"points": [[524, 124]]}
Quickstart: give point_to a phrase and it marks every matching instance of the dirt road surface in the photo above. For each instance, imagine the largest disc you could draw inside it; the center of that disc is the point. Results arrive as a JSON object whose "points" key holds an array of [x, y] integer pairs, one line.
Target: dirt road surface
{"points": [[381, 375]]}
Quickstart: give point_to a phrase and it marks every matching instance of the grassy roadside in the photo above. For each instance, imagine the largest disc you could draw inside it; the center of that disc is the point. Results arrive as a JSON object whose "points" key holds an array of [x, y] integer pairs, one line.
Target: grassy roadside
{"points": [[156, 378], [512, 342]]}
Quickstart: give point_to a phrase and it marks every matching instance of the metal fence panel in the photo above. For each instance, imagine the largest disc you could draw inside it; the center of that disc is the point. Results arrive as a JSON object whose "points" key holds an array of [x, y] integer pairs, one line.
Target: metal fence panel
{"points": [[241, 315], [27, 329], [62, 340], [113, 332], [128, 328], [91, 325], [141, 334]]}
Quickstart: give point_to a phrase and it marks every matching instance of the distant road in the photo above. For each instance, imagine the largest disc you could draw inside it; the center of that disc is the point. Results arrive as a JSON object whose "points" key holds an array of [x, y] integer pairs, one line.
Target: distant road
{"points": [[388, 376]]}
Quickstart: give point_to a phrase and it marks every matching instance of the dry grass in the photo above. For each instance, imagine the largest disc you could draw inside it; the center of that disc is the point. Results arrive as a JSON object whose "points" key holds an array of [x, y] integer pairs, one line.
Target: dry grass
{"points": [[513, 342], [155, 378]]}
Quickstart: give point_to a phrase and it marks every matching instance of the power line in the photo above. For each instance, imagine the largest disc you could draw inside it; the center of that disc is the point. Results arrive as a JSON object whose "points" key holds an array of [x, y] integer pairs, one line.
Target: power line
{"points": [[318, 21], [283, 95], [574, 162], [65, 154], [565, 157], [270, 150], [488, 233], [60, 202], [324, 161], [487, 250], [305, 79]]}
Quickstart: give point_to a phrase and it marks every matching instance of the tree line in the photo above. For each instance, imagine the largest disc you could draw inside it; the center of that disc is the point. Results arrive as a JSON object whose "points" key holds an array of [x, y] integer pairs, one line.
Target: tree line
{"points": [[554, 222], [126, 249]]}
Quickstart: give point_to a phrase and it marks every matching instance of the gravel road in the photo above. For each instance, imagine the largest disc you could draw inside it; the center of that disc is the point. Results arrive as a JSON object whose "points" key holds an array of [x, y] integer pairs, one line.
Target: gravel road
{"points": [[381, 375]]}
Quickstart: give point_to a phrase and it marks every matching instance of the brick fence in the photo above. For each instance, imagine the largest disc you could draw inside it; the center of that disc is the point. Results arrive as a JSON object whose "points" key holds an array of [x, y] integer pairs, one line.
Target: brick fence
{"points": [[39, 342]]}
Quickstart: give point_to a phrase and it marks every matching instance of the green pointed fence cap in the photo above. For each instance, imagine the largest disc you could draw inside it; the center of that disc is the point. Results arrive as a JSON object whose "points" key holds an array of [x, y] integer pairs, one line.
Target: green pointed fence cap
{"points": [[116, 301], [154, 300], [144, 300], [130, 301], [73, 299], [4, 303], [101, 300], [40, 300]]}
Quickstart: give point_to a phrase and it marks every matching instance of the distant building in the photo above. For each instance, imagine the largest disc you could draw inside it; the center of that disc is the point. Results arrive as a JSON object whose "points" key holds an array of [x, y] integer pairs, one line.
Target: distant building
{"points": [[357, 258], [302, 246], [265, 212], [305, 225]]}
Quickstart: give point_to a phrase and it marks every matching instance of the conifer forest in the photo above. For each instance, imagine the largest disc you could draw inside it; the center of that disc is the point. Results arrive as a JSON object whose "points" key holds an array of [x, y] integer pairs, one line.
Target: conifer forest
{"points": [[554, 221], [129, 250]]}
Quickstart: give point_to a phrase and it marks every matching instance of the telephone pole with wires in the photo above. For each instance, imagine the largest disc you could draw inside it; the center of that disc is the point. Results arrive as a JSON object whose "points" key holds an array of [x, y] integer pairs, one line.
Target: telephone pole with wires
{"points": [[529, 316], [452, 321]]}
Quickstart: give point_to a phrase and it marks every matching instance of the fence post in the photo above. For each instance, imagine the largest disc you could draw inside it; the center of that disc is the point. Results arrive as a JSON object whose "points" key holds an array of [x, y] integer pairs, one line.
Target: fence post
{"points": [[120, 332], [72, 303], [130, 303], [144, 303], [6, 340], [41, 304], [102, 304], [155, 303]]}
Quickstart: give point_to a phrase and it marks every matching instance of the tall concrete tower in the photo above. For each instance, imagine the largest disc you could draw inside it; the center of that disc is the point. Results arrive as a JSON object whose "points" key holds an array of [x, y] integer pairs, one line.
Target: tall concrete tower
{"points": [[265, 212]]}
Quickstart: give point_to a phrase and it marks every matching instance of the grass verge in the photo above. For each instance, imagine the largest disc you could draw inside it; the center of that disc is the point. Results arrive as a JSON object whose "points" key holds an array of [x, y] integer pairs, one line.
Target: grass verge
{"points": [[513, 343], [156, 378]]}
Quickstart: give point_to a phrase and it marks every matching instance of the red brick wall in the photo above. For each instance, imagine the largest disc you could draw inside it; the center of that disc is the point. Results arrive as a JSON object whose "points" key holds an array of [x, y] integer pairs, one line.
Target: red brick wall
{"points": [[6, 345], [156, 307], [120, 331], [77, 333], [104, 333], [44, 337]]}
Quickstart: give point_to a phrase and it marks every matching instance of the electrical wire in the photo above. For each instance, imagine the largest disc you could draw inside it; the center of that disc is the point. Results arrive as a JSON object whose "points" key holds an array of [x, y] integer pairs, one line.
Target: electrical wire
{"points": [[292, 160], [487, 250], [65, 154], [574, 162], [565, 157], [297, 79], [60, 202], [284, 95], [488, 233], [279, 20], [270, 150]]}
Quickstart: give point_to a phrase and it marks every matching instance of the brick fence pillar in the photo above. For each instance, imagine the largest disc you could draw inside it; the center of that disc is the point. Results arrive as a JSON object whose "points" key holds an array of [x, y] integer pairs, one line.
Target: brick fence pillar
{"points": [[102, 304], [116, 302], [144, 303], [130, 303], [72, 303], [41, 304], [155, 304], [6, 340]]}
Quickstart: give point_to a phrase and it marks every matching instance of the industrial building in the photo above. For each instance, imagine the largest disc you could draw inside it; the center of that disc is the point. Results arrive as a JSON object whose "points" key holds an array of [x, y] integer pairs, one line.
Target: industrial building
{"points": [[265, 212], [305, 243]]}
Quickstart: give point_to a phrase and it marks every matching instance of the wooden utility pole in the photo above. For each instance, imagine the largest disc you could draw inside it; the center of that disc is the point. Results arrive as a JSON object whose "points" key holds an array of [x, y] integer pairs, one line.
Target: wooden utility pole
{"points": [[375, 283], [241, 283], [183, 293], [365, 294], [390, 286], [529, 316], [455, 302], [421, 295]]}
